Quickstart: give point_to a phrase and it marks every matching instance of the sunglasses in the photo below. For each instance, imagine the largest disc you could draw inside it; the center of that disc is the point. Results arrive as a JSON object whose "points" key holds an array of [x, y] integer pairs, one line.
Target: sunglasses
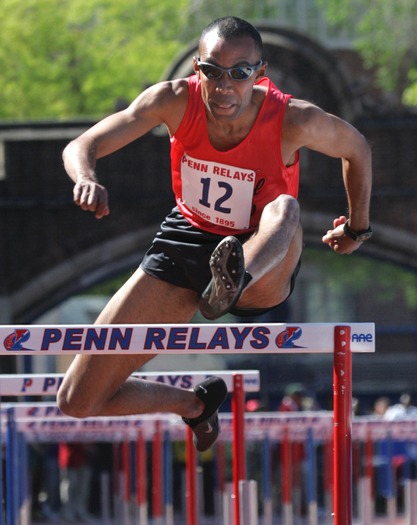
{"points": [[235, 73]]}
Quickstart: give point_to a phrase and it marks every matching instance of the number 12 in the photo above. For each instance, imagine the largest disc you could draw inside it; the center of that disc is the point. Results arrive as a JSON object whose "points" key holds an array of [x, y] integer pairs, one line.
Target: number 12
{"points": [[228, 190]]}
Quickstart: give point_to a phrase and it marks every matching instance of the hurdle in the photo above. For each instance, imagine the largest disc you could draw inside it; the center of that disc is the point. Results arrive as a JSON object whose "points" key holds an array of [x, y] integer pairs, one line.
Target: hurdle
{"points": [[273, 424], [375, 432], [28, 414], [336, 338]]}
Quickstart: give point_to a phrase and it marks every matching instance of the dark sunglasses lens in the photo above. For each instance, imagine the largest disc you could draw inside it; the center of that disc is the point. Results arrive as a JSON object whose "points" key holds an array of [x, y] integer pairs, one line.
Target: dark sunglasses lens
{"points": [[241, 73], [211, 71]]}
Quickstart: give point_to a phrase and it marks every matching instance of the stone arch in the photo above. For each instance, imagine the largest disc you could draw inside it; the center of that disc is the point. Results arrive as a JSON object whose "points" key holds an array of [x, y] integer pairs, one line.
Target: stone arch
{"points": [[114, 257], [90, 267]]}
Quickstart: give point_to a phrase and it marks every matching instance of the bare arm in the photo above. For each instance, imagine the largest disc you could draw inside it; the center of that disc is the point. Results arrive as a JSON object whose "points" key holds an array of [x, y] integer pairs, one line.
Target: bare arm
{"points": [[308, 126], [163, 103]]}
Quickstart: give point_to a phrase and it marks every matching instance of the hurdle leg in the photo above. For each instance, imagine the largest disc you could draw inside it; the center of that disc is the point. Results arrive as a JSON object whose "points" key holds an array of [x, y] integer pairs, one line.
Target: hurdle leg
{"points": [[365, 501], [191, 479], [228, 504], [24, 485], [105, 498], [220, 478], [365, 496], [11, 469], [239, 450], [141, 476], [297, 495], [157, 486], [342, 399], [266, 480], [328, 480], [115, 484], [311, 479], [410, 490], [286, 480], [126, 487], [248, 498], [391, 495], [167, 478]]}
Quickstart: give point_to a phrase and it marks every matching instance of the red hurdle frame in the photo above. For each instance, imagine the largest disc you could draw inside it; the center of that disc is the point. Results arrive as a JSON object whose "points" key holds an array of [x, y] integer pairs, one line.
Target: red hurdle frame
{"points": [[342, 436], [342, 433]]}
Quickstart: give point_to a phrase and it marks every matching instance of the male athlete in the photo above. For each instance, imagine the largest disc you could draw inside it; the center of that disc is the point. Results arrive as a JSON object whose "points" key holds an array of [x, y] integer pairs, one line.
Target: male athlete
{"points": [[233, 242]]}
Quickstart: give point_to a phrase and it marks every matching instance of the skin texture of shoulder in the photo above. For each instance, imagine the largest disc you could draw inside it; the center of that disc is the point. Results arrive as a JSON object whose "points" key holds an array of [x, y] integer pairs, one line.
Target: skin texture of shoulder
{"points": [[306, 125], [162, 103]]}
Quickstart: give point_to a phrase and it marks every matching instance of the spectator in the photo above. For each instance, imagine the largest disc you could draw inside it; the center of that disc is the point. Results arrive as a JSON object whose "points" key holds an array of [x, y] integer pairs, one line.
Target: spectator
{"points": [[75, 470], [293, 398], [404, 408], [381, 406]]}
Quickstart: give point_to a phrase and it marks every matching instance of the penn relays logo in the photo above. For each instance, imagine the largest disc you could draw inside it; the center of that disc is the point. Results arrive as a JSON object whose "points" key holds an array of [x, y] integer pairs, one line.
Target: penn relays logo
{"points": [[16, 340], [286, 338]]}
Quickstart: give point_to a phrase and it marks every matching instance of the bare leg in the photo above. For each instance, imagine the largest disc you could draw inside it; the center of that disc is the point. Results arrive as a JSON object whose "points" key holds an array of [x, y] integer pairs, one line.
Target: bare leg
{"points": [[272, 254], [100, 385]]}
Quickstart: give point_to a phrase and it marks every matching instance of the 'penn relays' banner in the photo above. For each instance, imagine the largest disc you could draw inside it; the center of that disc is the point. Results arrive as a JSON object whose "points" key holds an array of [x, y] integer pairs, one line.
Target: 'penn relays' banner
{"points": [[182, 339], [48, 384]]}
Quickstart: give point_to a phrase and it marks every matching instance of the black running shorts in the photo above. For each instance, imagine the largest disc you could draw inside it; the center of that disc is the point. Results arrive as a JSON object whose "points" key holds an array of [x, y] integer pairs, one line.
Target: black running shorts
{"points": [[180, 254]]}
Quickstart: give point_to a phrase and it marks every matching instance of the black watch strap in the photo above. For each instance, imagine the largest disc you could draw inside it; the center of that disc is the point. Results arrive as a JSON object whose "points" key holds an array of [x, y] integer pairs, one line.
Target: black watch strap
{"points": [[358, 236]]}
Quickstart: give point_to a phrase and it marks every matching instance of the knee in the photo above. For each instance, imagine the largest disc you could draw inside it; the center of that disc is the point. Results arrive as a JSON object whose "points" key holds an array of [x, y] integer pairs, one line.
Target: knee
{"points": [[72, 404], [284, 208]]}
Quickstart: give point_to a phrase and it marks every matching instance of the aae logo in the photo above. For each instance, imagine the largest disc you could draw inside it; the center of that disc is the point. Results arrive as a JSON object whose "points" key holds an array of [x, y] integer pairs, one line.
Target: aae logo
{"points": [[362, 338], [16, 340], [286, 338]]}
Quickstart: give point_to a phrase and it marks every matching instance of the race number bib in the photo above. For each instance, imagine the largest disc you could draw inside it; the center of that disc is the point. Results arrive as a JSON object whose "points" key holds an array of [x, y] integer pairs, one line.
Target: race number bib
{"points": [[219, 193]]}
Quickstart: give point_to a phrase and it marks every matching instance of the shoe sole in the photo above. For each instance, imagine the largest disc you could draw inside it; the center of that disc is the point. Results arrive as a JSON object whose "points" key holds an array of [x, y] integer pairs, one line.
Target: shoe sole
{"points": [[228, 277]]}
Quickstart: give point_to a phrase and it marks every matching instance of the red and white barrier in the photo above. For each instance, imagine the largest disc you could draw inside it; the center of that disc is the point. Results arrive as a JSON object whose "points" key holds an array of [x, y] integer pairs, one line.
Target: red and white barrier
{"points": [[340, 340], [48, 384], [182, 339]]}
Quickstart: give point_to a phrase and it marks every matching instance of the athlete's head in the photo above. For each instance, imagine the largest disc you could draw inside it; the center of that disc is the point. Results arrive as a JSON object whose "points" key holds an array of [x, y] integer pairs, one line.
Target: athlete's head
{"points": [[231, 27], [229, 66]]}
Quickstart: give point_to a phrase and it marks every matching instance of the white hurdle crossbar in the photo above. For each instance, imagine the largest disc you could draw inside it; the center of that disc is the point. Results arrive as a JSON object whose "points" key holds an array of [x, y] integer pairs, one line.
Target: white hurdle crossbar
{"points": [[340, 339], [181, 339], [48, 384]]}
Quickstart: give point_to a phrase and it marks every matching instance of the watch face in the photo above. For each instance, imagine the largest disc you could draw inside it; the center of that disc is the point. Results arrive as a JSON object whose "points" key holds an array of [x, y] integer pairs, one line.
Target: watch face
{"points": [[361, 236], [364, 237]]}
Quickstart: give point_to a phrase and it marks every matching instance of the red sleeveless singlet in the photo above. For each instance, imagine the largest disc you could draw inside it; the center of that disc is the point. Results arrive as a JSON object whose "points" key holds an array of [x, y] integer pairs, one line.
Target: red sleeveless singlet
{"points": [[224, 192]]}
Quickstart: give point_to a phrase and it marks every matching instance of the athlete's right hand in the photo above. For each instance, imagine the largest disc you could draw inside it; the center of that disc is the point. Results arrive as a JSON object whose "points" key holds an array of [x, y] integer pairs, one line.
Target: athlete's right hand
{"points": [[91, 196]]}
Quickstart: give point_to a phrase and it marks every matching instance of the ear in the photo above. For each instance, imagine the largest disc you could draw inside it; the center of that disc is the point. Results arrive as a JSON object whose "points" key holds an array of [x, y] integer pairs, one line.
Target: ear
{"points": [[195, 68], [261, 71]]}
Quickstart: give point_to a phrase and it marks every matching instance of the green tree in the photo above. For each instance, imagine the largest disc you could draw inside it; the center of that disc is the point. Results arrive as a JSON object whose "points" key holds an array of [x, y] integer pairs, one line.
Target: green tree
{"points": [[70, 58], [386, 37]]}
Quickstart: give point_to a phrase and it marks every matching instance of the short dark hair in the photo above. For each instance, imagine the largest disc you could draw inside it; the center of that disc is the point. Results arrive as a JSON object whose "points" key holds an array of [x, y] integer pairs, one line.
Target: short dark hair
{"points": [[232, 27]]}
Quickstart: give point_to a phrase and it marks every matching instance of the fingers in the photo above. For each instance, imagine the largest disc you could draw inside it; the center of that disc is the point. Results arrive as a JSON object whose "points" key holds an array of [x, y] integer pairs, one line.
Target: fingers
{"points": [[91, 196], [339, 221], [336, 234], [335, 243], [342, 245], [337, 240]]}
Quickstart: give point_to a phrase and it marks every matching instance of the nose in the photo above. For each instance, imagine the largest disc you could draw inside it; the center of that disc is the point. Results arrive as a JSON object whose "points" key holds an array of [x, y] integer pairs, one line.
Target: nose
{"points": [[224, 83]]}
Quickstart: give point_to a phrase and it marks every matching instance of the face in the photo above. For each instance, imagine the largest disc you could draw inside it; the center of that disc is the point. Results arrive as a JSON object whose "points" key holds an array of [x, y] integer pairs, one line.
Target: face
{"points": [[226, 98]]}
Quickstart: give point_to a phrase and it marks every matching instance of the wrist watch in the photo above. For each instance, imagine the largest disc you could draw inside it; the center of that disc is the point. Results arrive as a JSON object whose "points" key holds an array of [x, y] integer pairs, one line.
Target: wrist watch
{"points": [[359, 236]]}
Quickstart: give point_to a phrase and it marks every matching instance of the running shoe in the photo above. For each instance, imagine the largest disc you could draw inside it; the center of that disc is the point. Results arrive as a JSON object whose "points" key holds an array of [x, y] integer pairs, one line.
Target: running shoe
{"points": [[227, 265], [212, 392]]}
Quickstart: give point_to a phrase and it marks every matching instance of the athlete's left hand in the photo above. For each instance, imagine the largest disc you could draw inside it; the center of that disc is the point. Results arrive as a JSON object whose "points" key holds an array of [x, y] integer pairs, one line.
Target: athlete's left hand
{"points": [[337, 240]]}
